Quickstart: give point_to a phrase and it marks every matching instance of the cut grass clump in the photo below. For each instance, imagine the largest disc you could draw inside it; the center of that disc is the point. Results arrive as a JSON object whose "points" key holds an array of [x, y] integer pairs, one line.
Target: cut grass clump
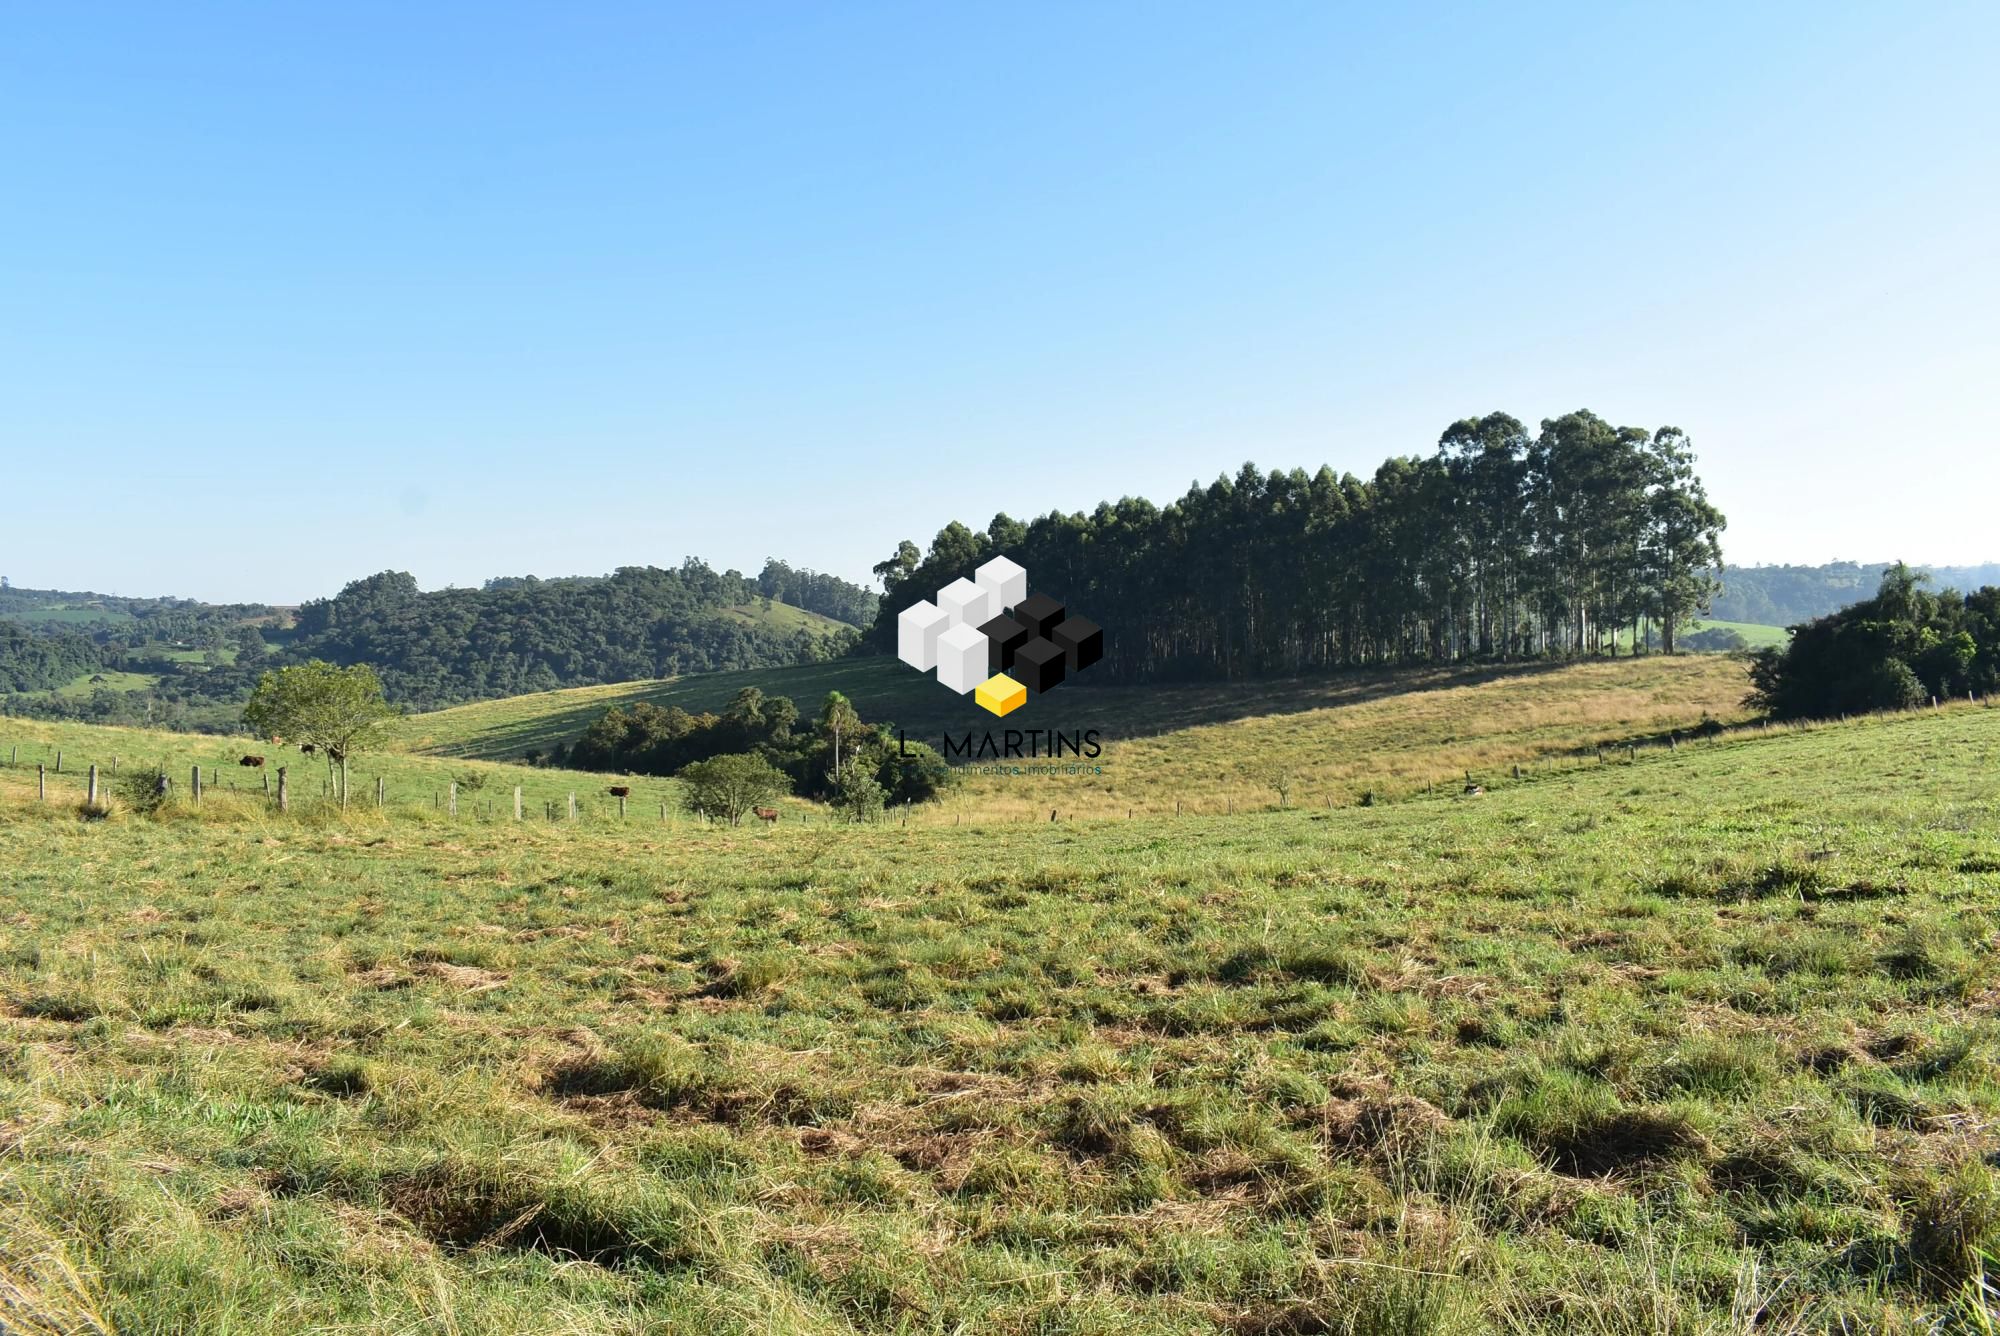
{"points": [[662, 1070], [1580, 1128], [1953, 1226]]}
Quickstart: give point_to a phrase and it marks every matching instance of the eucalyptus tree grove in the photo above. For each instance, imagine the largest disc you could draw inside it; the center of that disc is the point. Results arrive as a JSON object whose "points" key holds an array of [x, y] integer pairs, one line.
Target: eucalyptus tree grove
{"points": [[1502, 544]]}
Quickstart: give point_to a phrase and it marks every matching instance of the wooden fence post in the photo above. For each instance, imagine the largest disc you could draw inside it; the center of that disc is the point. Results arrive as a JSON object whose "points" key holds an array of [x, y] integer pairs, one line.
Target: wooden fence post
{"points": [[452, 797], [41, 783], [663, 814], [114, 765], [381, 797], [92, 798], [59, 760], [284, 792], [572, 807], [194, 785], [517, 802], [265, 775], [621, 807]]}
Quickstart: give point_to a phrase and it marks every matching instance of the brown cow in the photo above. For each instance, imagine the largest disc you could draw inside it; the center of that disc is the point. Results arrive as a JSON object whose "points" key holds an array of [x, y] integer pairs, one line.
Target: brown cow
{"points": [[766, 813], [619, 791], [255, 762]]}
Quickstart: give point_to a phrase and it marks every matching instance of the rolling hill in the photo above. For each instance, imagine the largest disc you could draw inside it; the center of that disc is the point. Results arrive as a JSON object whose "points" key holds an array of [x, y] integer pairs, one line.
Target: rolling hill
{"points": [[1333, 738]]}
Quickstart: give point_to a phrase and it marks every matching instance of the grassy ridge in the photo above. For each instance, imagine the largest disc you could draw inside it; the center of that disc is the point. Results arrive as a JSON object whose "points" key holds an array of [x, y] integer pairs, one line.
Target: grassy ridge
{"points": [[1701, 1043], [1311, 741]]}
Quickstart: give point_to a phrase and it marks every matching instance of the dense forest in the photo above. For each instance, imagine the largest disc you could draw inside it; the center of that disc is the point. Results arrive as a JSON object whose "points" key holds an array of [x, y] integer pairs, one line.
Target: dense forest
{"points": [[1501, 544], [1894, 651], [31, 661], [1786, 595]]}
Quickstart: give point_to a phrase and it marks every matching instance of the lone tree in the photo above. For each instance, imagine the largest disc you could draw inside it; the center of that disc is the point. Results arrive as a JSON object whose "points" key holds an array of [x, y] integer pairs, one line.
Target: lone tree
{"points": [[725, 788], [839, 720], [339, 710]]}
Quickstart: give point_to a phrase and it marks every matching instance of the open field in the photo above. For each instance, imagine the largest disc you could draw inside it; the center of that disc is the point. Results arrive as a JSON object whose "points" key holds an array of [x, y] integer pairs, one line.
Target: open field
{"points": [[783, 616], [1307, 741], [1699, 1043], [82, 685], [419, 784], [1755, 634]]}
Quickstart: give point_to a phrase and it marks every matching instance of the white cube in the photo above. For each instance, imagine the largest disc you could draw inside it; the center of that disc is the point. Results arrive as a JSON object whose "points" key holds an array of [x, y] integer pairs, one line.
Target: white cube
{"points": [[966, 602], [1005, 583], [917, 631], [961, 658]]}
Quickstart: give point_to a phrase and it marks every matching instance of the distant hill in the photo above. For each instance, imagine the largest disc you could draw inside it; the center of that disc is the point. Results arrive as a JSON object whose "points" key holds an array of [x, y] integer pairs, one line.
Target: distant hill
{"points": [[1785, 595], [187, 664]]}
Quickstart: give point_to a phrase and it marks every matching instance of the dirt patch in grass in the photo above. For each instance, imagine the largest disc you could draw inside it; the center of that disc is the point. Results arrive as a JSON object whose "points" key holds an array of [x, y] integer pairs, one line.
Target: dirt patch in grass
{"points": [[459, 1209]]}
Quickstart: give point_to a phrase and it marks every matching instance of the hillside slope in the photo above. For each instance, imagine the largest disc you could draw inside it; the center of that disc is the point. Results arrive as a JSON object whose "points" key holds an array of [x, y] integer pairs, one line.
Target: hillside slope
{"points": [[1329, 738], [1649, 1046]]}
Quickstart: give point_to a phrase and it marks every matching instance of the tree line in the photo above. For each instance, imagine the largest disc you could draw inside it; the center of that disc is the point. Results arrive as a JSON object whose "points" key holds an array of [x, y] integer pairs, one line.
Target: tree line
{"points": [[1501, 544]]}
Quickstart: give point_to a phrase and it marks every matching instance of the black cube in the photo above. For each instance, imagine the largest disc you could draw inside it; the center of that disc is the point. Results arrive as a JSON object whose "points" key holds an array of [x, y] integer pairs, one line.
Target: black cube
{"points": [[1004, 636], [1038, 665], [1039, 613], [1081, 641]]}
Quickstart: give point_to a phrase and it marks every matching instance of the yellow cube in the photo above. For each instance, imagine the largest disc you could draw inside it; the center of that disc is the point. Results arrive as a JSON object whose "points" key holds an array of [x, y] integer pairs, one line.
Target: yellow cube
{"points": [[1000, 694]]}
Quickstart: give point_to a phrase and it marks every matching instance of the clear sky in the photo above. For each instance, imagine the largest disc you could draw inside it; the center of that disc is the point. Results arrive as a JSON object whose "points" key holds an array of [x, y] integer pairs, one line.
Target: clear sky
{"points": [[293, 293]]}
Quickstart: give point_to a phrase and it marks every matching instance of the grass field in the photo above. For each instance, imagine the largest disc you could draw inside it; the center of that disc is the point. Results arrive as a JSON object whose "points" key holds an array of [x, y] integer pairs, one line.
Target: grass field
{"points": [[1307, 742], [1703, 1042], [783, 616], [82, 685], [1755, 634]]}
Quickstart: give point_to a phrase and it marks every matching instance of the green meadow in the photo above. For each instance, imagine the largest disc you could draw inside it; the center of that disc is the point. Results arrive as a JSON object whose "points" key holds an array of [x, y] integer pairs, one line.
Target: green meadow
{"points": [[1698, 1041], [1756, 635]]}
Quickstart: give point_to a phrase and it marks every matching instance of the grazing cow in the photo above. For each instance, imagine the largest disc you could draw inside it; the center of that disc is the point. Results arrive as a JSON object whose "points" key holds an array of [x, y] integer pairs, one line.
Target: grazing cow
{"points": [[766, 814], [336, 755], [305, 749], [254, 762], [619, 791]]}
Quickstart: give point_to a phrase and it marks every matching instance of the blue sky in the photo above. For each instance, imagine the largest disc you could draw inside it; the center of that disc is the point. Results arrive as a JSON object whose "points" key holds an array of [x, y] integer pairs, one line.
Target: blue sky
{"points": [[291, 294]]}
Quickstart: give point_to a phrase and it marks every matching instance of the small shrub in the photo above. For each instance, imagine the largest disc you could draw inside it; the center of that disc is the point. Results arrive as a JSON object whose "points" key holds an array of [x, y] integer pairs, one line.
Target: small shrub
{"points": [[144, 791]]}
